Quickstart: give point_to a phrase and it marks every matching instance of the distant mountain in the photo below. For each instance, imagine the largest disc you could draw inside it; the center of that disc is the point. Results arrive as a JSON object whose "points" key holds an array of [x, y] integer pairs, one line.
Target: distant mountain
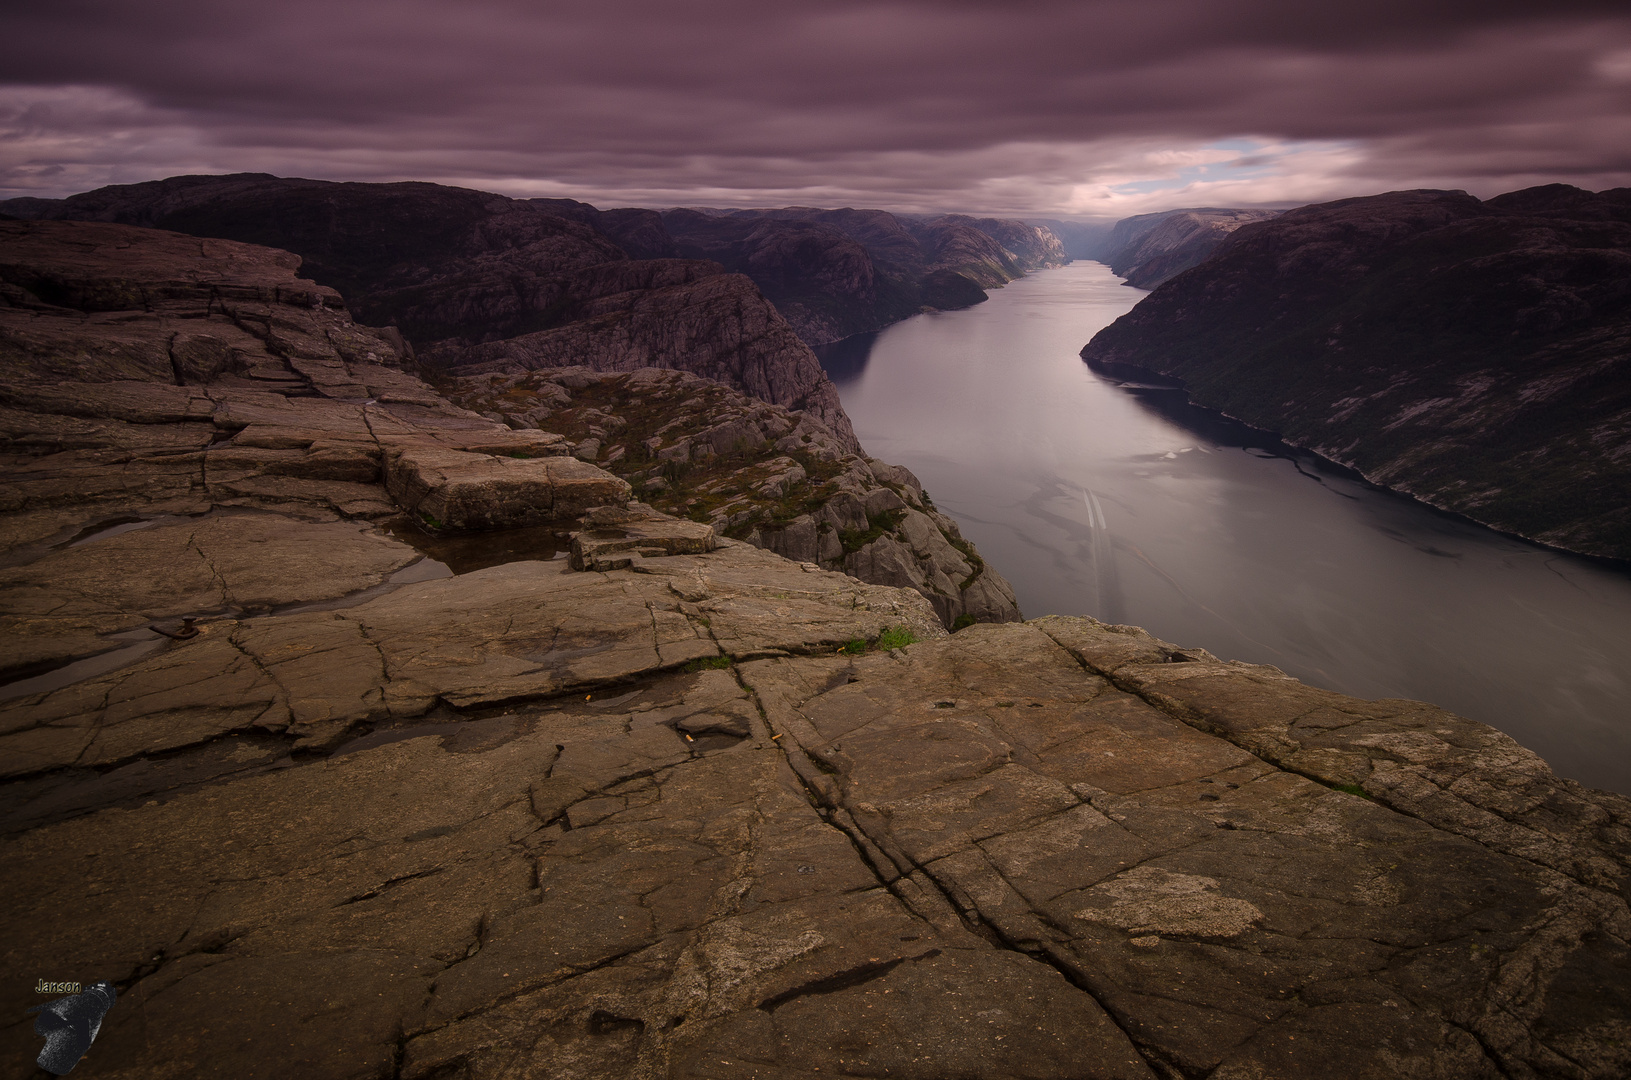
{"points": [[1151, 248], [638, 232], [1474, 354], [834, 273], [454, 268], [1081, 239], [479, 282]]}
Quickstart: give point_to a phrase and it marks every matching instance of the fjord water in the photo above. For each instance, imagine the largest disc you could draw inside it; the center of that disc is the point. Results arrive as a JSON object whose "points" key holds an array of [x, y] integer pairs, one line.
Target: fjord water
{"points": [[1135, 507]]}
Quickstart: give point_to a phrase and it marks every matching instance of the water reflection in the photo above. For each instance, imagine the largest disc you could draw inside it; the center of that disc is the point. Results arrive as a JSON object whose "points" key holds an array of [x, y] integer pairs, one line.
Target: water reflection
{"points": [[1102, 493], [845, 361]]}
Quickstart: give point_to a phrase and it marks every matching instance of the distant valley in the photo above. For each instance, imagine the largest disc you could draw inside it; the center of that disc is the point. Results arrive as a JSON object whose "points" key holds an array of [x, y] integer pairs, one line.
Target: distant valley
{"points": [[1469, 353]]}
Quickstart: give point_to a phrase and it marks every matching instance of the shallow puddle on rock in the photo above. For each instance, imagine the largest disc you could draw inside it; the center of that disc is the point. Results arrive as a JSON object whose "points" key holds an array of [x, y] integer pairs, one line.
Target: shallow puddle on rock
{"points": [[611, 702], [57, 796], [118, 527], [711, 741], [423, 569], [143, 642], [467, 552], [458, 736]]}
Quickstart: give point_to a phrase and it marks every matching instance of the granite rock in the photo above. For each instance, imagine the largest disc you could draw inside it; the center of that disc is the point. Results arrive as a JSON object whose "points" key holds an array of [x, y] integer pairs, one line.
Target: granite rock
{"points": [[970, 856], [457, 489]]}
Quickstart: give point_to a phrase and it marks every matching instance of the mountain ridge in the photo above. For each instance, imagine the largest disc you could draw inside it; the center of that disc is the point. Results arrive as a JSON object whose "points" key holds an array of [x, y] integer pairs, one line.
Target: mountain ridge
{"points": [[1470, 353], [481, 280]]}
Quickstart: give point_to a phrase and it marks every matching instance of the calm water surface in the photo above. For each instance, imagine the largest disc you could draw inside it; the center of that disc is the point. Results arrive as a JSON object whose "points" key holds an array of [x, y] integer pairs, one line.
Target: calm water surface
{"points": [[1133, 506]]}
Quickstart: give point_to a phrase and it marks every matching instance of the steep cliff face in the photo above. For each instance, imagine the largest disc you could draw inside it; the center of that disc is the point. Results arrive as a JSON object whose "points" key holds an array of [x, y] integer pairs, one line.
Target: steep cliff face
{"points": [[954, 242], [1080, 239], [820, 279], [1031, 247], [478, 280], [719, 325], [1474, 354], [681, 809], [834, 273], [1151, 248]]}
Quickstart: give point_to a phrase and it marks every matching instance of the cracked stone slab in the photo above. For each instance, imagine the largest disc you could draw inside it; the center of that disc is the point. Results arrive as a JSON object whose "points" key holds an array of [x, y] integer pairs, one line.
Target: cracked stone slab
{"points": [[913, 863], [1459, 775], [614, 546], [1235, 919], [505, 633], [457, 489]]}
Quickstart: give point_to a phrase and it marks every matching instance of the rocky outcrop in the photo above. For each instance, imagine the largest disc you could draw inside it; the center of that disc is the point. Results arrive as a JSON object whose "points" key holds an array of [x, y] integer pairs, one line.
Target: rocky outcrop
{"points": [[834, 273], [480, 282], [1472, 354], [615, 537], [709, 814], [437, 262], [777, 479], [1151, 248]]}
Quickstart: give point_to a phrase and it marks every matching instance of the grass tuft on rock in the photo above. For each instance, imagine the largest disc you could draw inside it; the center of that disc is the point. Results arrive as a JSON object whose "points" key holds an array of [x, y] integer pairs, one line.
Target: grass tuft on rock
{"points": [[896, 637], [877, 525]]}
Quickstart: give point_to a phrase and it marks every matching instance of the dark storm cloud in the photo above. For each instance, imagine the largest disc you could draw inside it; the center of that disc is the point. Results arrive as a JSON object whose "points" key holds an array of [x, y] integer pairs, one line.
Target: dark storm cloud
{"points": [[1036, 106]]}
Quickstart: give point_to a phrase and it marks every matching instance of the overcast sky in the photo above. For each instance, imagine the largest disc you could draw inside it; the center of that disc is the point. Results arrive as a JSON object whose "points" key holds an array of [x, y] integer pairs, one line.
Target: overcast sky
{"points": [[1071, 108]]}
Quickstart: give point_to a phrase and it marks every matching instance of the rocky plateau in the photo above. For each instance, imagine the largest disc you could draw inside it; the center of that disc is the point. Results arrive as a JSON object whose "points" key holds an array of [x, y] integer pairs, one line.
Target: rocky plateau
{"points": [[325, 794]]}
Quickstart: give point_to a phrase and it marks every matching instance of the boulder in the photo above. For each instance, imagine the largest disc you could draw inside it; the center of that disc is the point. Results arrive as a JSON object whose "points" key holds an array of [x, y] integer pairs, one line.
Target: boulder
{"points": [[458, 490], [613, 545]]}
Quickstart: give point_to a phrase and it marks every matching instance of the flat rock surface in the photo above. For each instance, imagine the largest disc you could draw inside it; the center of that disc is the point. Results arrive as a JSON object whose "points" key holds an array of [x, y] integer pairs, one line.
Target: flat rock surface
{"points": [[583, 856]]}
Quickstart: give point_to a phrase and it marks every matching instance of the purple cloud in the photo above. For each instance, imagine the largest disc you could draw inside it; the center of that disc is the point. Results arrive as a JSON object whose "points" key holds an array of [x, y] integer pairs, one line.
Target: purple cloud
{"points": [[1037, 107]]}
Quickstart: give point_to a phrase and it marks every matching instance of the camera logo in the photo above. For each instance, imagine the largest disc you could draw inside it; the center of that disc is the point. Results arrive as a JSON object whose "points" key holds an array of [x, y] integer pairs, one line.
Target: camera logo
{"points": [[70, 1024]]}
